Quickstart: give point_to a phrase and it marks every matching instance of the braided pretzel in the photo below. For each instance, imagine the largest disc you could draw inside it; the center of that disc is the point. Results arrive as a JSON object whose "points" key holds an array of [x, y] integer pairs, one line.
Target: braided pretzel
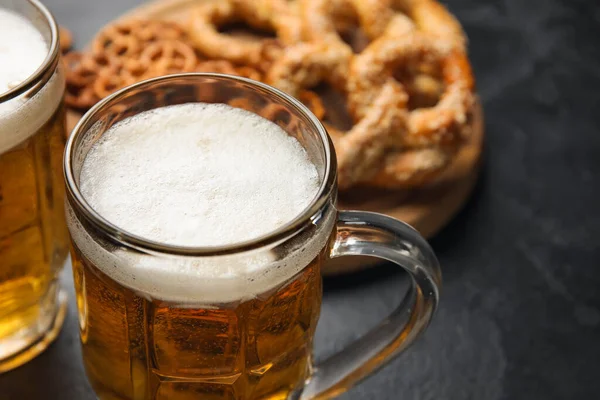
{"points": [[306, 65], [209, 16], [276, 15], [327, 19], [361, 149], [411, 168], [440, 124], [65, 39], [313, 102], [433, 18]]}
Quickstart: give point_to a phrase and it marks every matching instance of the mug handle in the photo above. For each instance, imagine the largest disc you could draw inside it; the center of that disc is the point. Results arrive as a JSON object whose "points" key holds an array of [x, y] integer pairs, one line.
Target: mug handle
{"points": [[377, 235]]}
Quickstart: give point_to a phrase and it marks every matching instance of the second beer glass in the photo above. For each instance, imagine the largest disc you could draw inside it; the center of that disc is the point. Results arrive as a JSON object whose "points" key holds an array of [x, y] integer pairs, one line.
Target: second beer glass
{"points": [[33, 235]]}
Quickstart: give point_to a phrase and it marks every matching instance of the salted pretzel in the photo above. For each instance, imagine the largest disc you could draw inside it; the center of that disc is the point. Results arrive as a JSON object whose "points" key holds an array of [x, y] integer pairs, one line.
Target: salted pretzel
{"points": [[306, 65], [433, 18], [313, 102], [411, 168], [439, 124], [327, 20], [361, 149], [209, 16]]}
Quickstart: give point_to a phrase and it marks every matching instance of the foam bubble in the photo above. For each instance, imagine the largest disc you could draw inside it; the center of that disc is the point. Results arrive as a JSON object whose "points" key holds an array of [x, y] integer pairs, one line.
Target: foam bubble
{"points": [[199, 175], [22, 51]]}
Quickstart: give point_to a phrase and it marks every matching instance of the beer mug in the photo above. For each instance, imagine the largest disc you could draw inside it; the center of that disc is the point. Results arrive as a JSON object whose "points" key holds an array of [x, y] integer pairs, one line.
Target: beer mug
{"points": [[33, 234], [161, 321]]}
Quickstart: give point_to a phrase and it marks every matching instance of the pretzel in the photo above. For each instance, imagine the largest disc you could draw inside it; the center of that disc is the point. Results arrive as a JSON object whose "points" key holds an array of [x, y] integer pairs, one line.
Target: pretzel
{"points": [[80, 98], [106, 84], [327, 19], [305, 65], [361, 150], [138, 69], [313, 102], [129, 37], [168, 57], [433, 18], [117, 40], [411, 168], [208, 16], [279, 16], [440, 124], [148, 31], [226, 67], [309, 98], [82, 70], [244, 103], [65, 39]]}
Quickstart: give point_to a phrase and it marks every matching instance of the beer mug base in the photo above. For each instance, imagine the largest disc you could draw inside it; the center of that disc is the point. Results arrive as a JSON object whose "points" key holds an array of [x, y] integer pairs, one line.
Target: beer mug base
{"points": [[33, 339]]}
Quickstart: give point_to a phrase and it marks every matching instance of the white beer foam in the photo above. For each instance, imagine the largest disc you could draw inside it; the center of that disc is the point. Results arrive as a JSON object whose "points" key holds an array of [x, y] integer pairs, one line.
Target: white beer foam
{"points": [[22, 51], [208, 281], [199, 175]]}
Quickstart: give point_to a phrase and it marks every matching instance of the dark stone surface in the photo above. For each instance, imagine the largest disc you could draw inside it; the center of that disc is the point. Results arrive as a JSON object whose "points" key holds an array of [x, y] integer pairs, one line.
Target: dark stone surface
{"points": [[520, 312]]}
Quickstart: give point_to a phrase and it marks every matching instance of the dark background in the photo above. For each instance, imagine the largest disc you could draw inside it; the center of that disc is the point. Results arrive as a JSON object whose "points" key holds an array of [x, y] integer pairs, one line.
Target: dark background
{"points": [[520, 310]]}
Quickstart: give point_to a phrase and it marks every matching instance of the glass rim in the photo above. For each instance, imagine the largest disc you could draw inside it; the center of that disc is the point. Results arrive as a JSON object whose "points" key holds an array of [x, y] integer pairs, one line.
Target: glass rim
{"points": [[46, 69], [305, 219]]}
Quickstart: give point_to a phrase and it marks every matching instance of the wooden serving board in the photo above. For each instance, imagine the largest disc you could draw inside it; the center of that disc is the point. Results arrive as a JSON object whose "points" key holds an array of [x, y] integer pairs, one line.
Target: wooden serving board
{"points": [[427, 209]]}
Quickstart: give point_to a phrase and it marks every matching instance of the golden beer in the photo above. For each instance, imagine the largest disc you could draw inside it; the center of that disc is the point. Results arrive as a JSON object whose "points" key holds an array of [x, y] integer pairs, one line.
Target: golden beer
{"points": [[33, 235], [139, 348]]}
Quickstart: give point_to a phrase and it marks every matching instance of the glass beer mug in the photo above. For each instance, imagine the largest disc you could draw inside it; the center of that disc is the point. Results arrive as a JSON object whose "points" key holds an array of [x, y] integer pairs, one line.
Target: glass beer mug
{"points": [[33, 235], [151, 329]]}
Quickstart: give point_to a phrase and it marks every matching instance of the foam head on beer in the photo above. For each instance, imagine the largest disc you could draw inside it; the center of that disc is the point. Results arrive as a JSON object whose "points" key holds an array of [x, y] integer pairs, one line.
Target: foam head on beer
{"points": [[23, 50], [200, 175]]}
